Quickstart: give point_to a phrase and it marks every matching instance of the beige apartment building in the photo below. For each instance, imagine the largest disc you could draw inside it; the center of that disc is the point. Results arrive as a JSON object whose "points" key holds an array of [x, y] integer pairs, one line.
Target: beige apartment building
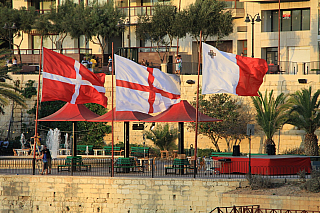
{"points": [[297, 63], [298, 37]]}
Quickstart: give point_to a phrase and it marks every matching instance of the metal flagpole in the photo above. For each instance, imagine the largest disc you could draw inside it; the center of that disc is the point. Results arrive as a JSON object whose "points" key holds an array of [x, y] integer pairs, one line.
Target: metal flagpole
{"points": [[36, 138], [112, 127], [197, 111], [279, 36], [178, 36]]}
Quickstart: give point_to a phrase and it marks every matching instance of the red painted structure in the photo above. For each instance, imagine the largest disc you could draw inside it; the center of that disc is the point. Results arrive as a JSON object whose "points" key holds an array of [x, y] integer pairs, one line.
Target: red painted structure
{"points": [[264, 165]]}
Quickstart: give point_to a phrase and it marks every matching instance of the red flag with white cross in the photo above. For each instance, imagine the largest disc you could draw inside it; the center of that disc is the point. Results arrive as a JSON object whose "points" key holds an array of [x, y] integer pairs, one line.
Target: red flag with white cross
{"points": [[67, 80]]}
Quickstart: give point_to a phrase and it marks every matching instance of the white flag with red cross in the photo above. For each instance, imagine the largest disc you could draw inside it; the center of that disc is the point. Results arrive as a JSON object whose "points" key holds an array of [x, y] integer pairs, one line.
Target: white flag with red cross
{"points": [[144, 89]]}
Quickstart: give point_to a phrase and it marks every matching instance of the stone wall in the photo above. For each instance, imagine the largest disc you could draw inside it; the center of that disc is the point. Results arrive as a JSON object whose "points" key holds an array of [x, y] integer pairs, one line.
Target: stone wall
{"points": [[104, 194], [26, 193]]}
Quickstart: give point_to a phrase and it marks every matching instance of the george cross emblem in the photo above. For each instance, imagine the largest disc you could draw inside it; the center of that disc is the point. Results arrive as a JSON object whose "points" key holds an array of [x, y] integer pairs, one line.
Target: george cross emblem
{"points": [[153, 91], [212, 54]]}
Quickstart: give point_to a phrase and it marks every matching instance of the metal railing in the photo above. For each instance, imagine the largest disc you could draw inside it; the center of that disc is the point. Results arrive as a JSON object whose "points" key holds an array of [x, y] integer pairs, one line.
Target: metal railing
{"points": [[151, 168], [295, 68], [256, 209], [63, 51]]}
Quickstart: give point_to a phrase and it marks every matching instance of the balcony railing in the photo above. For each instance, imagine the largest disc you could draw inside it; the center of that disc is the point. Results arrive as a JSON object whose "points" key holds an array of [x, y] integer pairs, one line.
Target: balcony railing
{"points": [[295, 68], [44, 11], [137, 10], [63, 51]]}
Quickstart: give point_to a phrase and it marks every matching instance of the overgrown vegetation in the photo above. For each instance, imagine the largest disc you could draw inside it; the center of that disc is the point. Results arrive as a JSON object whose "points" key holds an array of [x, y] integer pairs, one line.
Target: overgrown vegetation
{"points": [[29, 90], [259, 182], [294, 151], [312, 184]]}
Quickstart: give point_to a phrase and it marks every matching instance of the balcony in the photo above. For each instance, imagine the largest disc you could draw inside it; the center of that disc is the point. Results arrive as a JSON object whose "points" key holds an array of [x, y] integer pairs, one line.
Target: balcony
{"points": [[295, 68], [272, 1], [136, 11], [32, 56]]}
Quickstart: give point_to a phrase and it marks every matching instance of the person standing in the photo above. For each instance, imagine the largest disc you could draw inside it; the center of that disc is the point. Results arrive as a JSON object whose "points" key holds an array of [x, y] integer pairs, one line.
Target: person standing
{"points": [[93, 62], [178, 64], [14, 61], [43, 157], [110, 64], [48, 155], [143, 63]]}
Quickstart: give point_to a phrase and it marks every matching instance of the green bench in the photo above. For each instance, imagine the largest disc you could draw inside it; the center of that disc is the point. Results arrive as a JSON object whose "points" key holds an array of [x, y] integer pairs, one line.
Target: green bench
{"points": [[221, 154], [179, 165], [140, 151], [116, 149], [77, 164], [81, 149], [126, 165], [257, 154]]}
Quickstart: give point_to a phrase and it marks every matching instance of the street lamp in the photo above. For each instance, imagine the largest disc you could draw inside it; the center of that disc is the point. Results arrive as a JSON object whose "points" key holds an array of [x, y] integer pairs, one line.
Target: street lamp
{"points": [[249, 18], [13, 27]]}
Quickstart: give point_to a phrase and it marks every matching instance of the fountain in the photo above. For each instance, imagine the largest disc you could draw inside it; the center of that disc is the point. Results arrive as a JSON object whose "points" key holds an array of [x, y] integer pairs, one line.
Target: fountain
{"points": [[53, 141], [66, 144], [22, 141]]}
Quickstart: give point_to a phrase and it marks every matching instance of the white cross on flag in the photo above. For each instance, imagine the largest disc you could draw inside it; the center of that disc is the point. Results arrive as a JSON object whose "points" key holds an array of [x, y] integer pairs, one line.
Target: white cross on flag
{"points": [[65, 79], [144, 89]]}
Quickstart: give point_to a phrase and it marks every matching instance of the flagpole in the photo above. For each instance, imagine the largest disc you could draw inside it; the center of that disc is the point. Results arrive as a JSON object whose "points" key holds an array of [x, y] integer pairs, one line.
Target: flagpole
{"points": [[178, 36], [112, 127], [37, 112], [197, 111]]}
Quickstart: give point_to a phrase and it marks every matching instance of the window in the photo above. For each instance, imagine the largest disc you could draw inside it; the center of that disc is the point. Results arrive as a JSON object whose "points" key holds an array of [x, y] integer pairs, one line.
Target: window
{"points": [[242, 47], [234, 4], [290, 20]]}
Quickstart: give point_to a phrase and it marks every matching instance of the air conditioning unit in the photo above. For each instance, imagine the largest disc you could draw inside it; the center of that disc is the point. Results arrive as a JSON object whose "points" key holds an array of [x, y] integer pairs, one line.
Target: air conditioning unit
{"points": [[139, 126]]}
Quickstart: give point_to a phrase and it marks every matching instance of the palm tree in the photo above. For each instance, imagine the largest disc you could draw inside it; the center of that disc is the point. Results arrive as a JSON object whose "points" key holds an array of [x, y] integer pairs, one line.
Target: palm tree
{"points": [[163, 137], [8, 92], [304, 114], [271, 113]]}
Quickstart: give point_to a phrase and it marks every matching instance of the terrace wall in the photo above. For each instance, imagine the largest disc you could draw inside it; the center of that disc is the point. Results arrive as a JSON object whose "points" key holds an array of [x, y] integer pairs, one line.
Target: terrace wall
{"points": [[290, 137], [26, 193]]}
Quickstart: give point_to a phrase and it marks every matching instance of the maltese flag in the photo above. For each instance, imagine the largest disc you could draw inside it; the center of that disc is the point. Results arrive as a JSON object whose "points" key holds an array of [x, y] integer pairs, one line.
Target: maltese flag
{"points": [[144, 89], [229, 73], [67, 80]]}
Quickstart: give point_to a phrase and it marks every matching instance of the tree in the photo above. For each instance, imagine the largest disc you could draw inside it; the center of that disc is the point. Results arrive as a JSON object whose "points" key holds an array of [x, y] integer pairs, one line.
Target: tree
{"points": [[210, 17], [163, 137], [304, 114], [97, 22], [60, 22], [220, 106], [23, 20], [8, 92], [237, 130], [164, 25], [271, 113]]}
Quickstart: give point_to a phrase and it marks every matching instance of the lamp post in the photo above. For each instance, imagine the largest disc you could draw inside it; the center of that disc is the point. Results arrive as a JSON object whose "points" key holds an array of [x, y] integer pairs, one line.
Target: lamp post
{"points": [[249, 18], [13, 27]]}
